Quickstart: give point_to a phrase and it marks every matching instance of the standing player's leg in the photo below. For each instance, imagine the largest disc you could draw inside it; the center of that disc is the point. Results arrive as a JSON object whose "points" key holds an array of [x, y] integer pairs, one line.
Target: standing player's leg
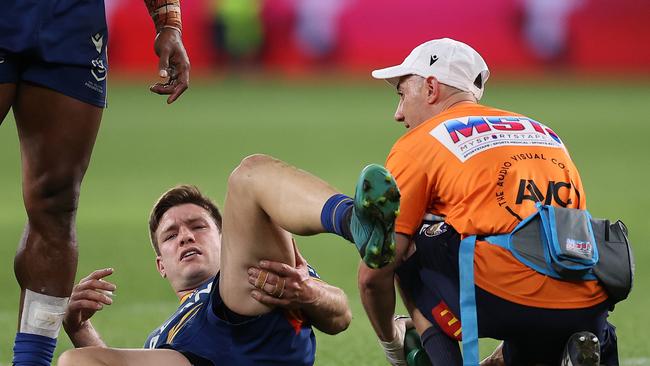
{"points": [[7, 95], [268, 199], [57, 134]]}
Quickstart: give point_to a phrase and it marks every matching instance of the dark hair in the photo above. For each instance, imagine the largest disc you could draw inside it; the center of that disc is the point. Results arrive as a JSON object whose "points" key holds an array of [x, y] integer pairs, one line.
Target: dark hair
{"points": [[176, 196]]}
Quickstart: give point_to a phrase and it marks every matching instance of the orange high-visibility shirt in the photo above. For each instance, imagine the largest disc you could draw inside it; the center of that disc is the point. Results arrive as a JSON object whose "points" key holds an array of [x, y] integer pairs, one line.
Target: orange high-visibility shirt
{"points": [[483, 169]]}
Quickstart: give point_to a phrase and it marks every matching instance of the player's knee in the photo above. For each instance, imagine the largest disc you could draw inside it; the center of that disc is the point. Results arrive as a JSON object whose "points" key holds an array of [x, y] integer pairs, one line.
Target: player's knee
{"points": [[67, 358], [88, 356], [247, 171], [78, 357], [51, 197]]}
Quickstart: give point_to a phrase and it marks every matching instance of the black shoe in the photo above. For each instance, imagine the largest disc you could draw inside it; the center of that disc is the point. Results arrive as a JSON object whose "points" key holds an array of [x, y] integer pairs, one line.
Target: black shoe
{"points": [[582, 349]]}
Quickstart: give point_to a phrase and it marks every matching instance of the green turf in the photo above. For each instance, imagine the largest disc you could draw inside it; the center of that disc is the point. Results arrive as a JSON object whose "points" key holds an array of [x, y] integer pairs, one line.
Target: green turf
{"points": [[332, 129]]}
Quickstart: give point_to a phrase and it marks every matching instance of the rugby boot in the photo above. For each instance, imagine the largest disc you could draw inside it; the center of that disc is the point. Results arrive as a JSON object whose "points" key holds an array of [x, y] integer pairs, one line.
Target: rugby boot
{"points": [[582, 349], [376, 205]]}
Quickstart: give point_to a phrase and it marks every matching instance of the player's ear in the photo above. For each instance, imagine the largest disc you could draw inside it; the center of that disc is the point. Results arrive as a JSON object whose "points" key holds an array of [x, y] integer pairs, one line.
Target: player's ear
{"points": [[160, 267]]}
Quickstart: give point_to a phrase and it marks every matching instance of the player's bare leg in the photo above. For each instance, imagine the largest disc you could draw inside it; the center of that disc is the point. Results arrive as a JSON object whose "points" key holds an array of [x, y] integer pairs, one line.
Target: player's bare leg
{"points": [[57, 134], [99, 356], [267, 199], [7, 95], [260, 188]]}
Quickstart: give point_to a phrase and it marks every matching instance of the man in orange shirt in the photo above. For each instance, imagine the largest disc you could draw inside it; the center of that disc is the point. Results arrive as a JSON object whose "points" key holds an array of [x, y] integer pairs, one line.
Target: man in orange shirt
{"points": [[469, 169]]}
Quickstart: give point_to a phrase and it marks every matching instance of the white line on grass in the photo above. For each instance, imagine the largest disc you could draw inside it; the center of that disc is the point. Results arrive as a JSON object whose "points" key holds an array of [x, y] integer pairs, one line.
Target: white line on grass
{"points": [[635, 361]]}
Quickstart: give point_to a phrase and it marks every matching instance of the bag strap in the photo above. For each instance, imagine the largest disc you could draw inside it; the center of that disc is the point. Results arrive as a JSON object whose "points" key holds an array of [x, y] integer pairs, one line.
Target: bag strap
{"points": [[468, 318]]}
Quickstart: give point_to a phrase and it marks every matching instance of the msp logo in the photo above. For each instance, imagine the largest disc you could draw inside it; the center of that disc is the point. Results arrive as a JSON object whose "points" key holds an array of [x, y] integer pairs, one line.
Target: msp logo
{"points": [[580, 248], [468, 136]]}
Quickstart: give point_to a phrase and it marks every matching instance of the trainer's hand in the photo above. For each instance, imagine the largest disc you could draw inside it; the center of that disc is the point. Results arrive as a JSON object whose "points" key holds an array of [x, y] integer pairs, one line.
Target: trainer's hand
{"points": [[394, 349], [88, 296], [278, 284], [173, 64]]}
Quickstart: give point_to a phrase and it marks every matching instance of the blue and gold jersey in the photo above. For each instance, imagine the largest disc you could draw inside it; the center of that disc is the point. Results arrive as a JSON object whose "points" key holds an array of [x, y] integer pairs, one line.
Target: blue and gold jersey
{"points": [[198, 331]]}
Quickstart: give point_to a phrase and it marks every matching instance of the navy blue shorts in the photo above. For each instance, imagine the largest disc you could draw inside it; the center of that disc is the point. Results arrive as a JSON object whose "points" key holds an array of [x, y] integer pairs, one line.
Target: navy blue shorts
{"points": [[531, 335], [58, 44]]}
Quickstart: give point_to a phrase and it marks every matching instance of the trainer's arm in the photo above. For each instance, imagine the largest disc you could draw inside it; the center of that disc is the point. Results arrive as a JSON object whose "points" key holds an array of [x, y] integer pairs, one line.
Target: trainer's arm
{"points": [[377, 290], [88, 296], [326, 306]]}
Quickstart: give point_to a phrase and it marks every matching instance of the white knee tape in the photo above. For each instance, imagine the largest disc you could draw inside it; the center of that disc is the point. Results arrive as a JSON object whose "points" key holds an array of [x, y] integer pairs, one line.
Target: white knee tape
{"points": [[42, 314]]}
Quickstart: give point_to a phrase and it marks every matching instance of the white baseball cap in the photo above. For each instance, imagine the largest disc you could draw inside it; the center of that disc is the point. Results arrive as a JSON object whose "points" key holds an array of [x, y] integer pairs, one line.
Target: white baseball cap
{"points": [[452, 62]]}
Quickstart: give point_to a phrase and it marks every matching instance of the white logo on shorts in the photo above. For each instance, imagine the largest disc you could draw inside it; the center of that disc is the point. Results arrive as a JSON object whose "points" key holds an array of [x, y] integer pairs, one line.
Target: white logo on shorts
{"points": [[98, 70], [2, 60], [98, 41]]}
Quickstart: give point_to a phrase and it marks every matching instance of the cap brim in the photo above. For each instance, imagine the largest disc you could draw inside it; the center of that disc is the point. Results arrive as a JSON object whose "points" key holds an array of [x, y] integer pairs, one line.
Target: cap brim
{"points": [[391, 74]]}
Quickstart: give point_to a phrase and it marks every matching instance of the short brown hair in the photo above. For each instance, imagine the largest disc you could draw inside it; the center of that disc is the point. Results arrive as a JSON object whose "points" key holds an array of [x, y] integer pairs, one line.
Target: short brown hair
{"points": [[176, 196]]}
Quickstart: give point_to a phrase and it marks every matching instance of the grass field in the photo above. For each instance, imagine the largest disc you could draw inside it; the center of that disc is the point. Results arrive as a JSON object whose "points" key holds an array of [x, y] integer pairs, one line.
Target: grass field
{"points": [[331, 128]]}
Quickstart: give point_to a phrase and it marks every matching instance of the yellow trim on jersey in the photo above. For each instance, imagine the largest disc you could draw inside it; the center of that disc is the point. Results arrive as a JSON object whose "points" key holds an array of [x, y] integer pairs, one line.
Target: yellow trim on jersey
{"points": [[176, 328], [187, 295]]}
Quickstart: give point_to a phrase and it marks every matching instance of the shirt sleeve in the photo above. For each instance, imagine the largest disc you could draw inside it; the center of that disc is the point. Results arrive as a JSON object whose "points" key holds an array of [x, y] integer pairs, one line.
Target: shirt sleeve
{"points": [[312, 272], [412, 181]]}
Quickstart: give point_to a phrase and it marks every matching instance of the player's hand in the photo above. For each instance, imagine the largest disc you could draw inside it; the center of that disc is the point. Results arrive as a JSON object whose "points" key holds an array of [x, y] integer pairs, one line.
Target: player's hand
{"points": [[173, 64], [394, 349], [88, 296], [278, 284]]}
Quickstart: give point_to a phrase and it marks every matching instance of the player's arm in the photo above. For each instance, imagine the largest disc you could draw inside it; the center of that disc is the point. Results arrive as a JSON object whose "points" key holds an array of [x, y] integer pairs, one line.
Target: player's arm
{"points": [[173, 64], [88, 296], [326, 306]]}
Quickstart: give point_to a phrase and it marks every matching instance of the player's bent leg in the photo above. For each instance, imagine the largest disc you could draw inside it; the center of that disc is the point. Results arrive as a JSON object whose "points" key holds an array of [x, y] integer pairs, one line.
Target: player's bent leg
{"points": [[98, 356], [266, 200], [56, 135], [7, 95], [291, 196]]}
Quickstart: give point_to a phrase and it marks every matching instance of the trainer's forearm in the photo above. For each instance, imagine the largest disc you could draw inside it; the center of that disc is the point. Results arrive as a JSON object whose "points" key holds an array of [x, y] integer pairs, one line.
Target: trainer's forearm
{"points": [[378, 297], [330, 313], [165, 14], [85, 336]]}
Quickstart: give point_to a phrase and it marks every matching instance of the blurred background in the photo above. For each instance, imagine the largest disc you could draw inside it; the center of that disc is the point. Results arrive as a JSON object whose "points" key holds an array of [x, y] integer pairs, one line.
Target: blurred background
{"points": [[308, 36], [291, 78]]}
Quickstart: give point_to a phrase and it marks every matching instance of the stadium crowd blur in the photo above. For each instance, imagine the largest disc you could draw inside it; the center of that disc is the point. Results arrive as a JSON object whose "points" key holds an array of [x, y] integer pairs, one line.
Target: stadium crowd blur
{"points": [[303, 36]]}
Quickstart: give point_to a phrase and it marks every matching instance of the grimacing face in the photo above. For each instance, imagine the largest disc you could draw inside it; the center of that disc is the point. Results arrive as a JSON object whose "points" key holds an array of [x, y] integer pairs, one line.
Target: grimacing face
{"points": [[190, 246], [412, 93]]}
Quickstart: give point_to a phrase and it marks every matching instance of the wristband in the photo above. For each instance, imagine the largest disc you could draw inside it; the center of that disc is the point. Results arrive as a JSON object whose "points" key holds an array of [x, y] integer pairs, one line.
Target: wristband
{"points": [[394, 350], [165, 14]]}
